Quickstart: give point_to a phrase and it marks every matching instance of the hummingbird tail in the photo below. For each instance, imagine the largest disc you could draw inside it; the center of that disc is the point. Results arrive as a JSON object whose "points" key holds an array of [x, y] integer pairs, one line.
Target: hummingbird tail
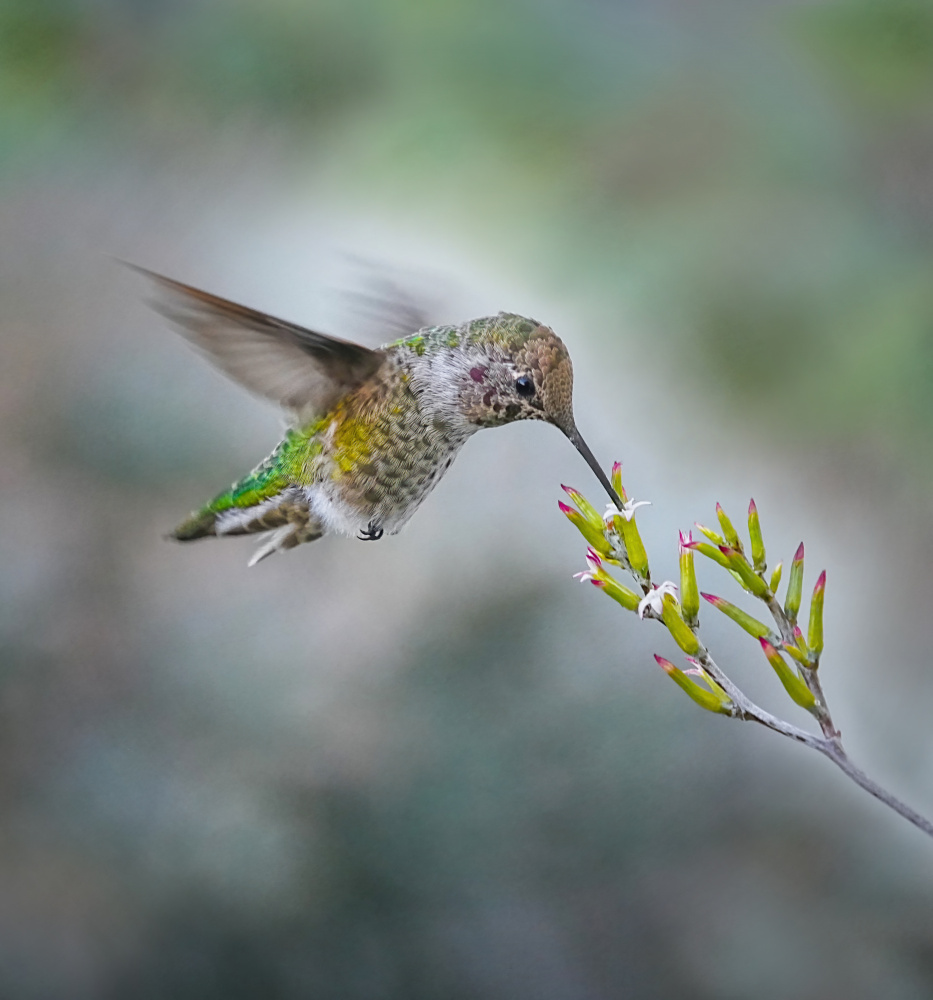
{"points": [[284, 519], [201, 524], [285, 538]]}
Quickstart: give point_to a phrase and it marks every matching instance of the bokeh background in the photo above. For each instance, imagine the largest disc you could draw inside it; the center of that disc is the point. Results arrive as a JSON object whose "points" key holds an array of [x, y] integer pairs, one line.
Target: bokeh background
{"points": [[435, 767]]}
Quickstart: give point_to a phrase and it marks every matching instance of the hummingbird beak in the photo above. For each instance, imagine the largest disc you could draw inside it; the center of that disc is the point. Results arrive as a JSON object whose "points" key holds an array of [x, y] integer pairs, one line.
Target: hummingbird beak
{"points": [[577, 441]]}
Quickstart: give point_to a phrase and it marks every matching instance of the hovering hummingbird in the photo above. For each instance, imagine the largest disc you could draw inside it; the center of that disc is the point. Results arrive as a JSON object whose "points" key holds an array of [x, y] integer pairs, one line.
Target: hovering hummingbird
{"points": [[371, 431]]}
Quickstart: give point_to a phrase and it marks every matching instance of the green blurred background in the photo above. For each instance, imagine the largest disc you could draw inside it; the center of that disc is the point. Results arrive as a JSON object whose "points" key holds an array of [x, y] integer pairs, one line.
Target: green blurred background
{"points": [[434, 767]]}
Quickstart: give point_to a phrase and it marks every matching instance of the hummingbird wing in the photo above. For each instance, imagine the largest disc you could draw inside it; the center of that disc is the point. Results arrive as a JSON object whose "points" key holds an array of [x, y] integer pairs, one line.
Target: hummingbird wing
{"points": [[301, 370], [393, 304]]}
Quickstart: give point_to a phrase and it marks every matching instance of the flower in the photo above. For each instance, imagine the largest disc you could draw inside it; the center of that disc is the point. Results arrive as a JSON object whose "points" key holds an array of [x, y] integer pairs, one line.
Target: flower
{"points": [[713, 700], [587, 510], [689, 592], [627, 510], [617, 480], [654, 599], [595, 573], [591, 527]]}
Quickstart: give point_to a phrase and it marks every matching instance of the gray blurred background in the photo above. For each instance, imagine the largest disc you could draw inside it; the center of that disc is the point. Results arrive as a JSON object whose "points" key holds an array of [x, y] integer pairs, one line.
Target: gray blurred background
{"points": [[435, 767]]}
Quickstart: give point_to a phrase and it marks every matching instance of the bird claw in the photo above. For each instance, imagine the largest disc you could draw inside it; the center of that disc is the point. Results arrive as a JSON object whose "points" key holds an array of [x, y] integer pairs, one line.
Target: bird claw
{"points": [[371, 533]]}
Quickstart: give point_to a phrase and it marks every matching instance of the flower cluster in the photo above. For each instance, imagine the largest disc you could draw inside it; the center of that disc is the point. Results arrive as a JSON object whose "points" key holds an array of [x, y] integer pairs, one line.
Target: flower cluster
{"points": [[614, 541]]}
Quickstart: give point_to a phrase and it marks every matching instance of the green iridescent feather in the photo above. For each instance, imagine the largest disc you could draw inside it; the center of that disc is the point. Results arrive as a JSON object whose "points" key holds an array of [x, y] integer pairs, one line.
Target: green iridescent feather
{"points": [[266, 481]]}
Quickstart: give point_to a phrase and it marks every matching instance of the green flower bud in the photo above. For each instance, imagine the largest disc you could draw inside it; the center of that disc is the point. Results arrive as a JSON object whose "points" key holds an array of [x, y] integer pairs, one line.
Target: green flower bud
{"points": [[711, 552], [794, 585], [730, 534], [595, 536], [754, 533], [776, 578], [595, 574], [737, 562], [621, 595], [634, 547], [815, 632], [705, 699], [680, 633], [801, 642], [617, 481], [698, 670], [743, 620], [795, 654], [793, 685], [689, 592], [592, 515], [710, 534]]}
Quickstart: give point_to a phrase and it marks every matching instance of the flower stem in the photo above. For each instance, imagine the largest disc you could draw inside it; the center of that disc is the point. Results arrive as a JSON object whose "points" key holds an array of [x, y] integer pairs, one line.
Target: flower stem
{"points": [[829, 746], [833, 750]]}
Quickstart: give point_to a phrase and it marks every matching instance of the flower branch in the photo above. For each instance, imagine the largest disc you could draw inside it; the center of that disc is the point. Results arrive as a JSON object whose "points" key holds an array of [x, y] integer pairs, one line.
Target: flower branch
{"points": [[614, 540]]}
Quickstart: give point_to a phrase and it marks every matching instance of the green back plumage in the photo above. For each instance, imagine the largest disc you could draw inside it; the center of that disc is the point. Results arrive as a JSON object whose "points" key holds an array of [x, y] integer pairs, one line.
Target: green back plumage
{"points": [[505, 330], [265, 482]]}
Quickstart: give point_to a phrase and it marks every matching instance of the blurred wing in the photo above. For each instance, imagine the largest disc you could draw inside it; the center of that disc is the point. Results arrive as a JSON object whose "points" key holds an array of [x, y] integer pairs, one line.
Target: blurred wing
{"points": [[391, 314], [385, 306], [297, 368]]}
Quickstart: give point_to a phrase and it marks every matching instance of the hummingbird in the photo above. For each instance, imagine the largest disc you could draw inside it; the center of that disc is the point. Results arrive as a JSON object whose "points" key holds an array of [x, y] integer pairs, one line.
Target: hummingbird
{"points": [[371, 431]]}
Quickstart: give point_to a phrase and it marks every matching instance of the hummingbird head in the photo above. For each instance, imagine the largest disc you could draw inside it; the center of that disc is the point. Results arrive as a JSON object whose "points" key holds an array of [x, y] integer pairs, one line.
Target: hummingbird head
{"points": [[521, 371]]}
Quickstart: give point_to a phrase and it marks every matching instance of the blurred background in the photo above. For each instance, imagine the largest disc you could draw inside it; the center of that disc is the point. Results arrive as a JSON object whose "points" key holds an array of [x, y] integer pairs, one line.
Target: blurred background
{"points": [[435, 767]]}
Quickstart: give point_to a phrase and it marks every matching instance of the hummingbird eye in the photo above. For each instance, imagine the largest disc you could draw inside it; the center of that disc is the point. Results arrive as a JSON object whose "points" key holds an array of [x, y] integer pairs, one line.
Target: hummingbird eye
{"points": [[525, 386]]}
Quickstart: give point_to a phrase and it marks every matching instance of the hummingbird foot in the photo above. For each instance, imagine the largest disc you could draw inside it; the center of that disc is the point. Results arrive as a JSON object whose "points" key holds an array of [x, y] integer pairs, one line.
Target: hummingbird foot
{"points": [[371, 533]]}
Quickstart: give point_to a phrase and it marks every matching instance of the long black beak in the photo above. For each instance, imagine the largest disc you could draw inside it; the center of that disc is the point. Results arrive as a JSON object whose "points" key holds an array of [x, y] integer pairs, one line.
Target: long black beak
{"points": [[577, 441]]}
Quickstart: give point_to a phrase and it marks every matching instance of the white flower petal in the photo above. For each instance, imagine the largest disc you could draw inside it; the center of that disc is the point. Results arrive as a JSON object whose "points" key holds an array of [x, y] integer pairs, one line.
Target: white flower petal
{"points": [[654, 599], [627, 511]]}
